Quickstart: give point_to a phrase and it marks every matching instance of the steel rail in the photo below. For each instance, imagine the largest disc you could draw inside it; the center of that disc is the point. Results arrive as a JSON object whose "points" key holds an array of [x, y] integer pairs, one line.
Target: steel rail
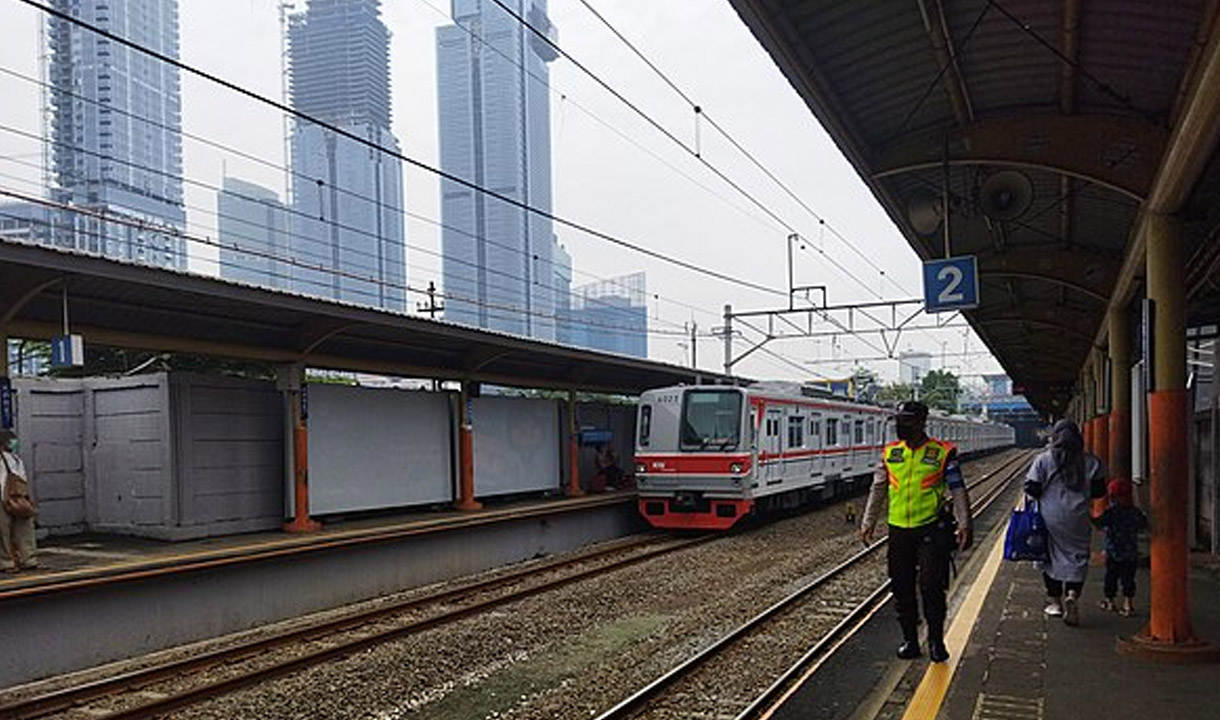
{"points": [[855, 621], [647, 694], [67, 698]]}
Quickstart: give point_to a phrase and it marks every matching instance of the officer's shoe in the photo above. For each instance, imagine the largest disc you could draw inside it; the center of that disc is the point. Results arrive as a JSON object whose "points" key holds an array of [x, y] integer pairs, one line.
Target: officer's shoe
{"points": [[909, 650], [937, 651]]}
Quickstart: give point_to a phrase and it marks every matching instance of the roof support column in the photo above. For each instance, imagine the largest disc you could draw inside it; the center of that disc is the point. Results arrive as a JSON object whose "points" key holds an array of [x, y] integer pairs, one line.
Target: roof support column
{"points": [[292, 382], [573, 448], [7, 388], [1101, 424], [1169, 633], [466, 499]]}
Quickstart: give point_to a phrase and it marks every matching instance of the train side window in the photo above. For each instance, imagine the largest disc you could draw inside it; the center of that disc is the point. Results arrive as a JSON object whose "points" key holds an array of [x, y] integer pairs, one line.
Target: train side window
{"points": [[832, 432], [645, 424], [858, 437], [796, 431]]}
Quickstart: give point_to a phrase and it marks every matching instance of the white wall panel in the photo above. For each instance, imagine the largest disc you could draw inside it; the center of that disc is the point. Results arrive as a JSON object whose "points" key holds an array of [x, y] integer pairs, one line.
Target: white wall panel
{"points": [[372, 448], [516, 445]]}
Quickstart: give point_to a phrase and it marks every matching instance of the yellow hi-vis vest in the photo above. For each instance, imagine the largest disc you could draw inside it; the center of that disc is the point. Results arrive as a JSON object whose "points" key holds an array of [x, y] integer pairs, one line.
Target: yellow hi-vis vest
{"points": [[917, 481]]}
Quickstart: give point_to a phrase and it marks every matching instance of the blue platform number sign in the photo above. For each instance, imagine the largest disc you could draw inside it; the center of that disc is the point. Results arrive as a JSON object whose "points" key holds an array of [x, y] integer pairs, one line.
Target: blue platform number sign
{"points": [[6, 403], [67, 351], [951, 284]]}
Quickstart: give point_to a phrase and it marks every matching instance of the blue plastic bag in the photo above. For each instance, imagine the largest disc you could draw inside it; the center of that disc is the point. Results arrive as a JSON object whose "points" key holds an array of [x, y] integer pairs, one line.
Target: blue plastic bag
{"points": [[1026, 538]]}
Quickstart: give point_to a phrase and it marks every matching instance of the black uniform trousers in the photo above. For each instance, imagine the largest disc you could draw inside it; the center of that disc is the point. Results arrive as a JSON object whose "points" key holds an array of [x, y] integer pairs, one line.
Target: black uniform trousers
{"points": [[920, 557]]}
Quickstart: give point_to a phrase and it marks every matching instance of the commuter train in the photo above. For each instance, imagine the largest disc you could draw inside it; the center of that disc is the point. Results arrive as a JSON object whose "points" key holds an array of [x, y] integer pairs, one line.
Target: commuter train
{"points": [[707, 456]]}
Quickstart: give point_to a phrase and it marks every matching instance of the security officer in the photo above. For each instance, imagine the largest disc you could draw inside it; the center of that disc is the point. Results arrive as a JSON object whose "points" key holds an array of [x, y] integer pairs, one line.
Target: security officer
{"points": [[920, 473]]}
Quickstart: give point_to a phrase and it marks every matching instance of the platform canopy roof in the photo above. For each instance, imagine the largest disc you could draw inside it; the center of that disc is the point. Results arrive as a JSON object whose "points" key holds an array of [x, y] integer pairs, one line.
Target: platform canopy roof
{"points": [[132, 306], [1059, 128]]}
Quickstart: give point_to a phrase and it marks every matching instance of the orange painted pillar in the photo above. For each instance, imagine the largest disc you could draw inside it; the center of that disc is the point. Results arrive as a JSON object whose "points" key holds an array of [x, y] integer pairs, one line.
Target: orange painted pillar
{"points": [[574, 489], [297, 394], [1169, 633], [466, 499], [1167, 424]]}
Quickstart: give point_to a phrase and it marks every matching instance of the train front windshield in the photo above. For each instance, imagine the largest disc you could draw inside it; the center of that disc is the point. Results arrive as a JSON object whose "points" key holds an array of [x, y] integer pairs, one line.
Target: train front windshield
{"points": [[711, 420]]}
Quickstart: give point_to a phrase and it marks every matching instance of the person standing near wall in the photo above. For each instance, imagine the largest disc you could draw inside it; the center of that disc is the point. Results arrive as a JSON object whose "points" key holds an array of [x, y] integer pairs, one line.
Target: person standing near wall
{"points": [[17, 515]]}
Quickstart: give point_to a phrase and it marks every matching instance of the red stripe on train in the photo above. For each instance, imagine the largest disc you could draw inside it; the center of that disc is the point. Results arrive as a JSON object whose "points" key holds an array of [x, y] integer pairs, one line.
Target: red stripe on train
{"points": [[692, 463]]}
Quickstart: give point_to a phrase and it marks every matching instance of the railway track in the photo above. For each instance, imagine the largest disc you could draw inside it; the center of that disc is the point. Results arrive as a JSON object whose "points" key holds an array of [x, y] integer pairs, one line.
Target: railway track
{"points": [[126, 696], [161, 689], [746, 671]]}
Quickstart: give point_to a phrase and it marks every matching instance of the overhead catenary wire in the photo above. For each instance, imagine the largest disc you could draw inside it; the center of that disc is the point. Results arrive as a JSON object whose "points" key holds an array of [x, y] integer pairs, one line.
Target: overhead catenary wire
{"points": [[692, 151], [190, 238], [411, 161], [279, 168], [702, 113], [306, 253], [414, 162]]}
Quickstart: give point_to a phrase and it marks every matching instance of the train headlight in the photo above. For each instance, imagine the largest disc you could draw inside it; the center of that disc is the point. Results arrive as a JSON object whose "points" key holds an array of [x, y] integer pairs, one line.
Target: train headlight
{"points": [[736, 468], [640, 468]]}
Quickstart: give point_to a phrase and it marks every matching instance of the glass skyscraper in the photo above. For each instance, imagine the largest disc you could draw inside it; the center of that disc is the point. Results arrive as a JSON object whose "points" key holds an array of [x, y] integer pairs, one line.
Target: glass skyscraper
{"points": [[251, 225], [612, 315], [115, 132], [347, 239], [495, 133]]}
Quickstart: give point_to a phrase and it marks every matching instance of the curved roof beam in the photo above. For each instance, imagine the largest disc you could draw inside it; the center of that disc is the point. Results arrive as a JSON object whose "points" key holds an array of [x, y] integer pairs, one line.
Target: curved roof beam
{"points": [[1115, 152], [1091, 274]]}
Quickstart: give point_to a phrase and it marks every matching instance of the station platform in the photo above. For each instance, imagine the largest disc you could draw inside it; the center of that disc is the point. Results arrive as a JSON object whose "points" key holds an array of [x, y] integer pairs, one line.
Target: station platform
{"points": [[72, 559], [1019, 663], [99, 599], [1011, 662]]}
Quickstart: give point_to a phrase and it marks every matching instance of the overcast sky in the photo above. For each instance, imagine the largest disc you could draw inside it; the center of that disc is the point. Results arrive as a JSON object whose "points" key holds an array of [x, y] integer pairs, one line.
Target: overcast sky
{"points": [[611, 170]]}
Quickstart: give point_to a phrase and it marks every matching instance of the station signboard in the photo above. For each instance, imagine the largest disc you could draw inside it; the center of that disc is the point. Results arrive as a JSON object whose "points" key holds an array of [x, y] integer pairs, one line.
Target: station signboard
{"points": [[951, 284]]}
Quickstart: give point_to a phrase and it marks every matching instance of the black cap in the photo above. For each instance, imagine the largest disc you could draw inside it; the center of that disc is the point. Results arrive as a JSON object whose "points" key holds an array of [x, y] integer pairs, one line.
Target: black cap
{"points": [[913, 409]]}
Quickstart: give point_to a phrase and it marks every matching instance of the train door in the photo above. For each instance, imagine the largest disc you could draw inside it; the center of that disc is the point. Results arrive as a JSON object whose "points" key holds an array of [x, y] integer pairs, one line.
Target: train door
{"points": [[771, 448], [817, 459]]}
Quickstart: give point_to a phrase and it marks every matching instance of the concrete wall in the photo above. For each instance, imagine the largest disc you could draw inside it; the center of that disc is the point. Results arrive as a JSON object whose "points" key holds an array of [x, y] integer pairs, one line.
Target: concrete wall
{"points": [[50, 418], [130, 457], [375, 448], [156, 455], [229, 454]]}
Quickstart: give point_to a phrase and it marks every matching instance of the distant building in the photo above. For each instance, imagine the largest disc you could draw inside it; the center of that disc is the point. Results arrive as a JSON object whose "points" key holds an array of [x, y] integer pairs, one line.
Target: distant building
{"points": [[252, 228], [612, 315], [913, 366], [27, 222], [999, 404], [347, 237], [562, 263], [115, 128], [494, 124]]}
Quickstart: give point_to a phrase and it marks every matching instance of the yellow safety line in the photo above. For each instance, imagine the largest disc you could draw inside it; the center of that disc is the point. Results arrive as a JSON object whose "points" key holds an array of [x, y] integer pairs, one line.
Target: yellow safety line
{"points": [[926, 702]]}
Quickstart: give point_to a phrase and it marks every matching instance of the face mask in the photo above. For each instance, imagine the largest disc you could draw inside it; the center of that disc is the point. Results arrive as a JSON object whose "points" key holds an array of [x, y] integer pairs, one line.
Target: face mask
{"points": [[12, 445], [907, 430]]}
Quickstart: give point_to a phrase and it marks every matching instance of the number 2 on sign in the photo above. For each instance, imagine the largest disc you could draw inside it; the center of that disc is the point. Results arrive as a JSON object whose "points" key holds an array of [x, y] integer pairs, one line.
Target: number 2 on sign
{"points": [[950, 294]]}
